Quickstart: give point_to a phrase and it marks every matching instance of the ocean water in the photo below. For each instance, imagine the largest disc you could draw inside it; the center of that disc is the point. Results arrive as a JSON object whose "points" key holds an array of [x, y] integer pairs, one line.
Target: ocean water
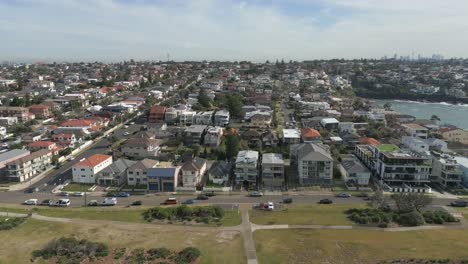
{"points": [[448, 113]]}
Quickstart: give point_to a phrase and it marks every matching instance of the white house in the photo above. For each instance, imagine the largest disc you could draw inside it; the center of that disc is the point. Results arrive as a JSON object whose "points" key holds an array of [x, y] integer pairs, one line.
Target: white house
{"points": [[85, 171]]}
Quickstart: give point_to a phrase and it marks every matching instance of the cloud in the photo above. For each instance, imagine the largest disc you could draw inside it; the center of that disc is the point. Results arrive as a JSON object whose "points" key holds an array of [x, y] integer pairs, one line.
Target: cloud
{"points": [[230, 30]]}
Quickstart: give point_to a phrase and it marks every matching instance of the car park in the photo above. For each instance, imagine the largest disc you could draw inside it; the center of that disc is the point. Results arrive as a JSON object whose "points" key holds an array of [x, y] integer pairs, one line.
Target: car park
{"points": [[255, 194], [459, 203], [169, 201], [325, 201], [47, 202], [343, 195], [109, 201], [30, 202], [78, 194], [189, 201]]}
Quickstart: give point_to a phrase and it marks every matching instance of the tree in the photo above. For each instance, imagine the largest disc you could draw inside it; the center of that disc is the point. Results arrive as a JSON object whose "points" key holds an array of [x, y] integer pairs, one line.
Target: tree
{"points": [[232, 146], [379, 200], [388, 106], [409, 202], [435, 118], [234, 105], [203, 98]]}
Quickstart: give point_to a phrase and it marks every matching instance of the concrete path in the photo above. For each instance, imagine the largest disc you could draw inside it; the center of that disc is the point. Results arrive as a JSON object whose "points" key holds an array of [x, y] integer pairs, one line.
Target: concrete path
{"points": [[246, 230]]}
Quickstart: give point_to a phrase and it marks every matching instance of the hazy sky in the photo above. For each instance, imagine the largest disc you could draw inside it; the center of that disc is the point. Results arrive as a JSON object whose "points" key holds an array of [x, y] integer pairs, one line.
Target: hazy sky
{"points": [[255, 30]]}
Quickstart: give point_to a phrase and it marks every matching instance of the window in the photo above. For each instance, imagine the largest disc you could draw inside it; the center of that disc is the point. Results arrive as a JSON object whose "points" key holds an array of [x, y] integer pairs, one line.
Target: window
{"points": [[130, 179], [82, 169]]}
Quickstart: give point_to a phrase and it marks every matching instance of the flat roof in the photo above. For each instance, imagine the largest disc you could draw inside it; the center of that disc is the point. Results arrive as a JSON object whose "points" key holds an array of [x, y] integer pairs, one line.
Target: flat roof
{"points": [[387, 147]]}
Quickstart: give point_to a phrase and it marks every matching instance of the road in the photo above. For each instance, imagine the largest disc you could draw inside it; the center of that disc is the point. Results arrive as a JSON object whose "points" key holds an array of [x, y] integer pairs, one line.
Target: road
{"points": [[64, 173]]}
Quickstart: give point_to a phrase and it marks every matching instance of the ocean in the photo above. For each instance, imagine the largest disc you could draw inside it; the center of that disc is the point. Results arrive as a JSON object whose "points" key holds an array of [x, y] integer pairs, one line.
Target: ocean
{"points": [[448, 113]]}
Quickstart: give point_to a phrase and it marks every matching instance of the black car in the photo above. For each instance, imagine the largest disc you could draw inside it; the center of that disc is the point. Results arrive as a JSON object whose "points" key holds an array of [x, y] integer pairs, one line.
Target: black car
{"points": [[136, 203], [459, 203], [287, 200], [111, 194], [47, 202], [325, 201], [202, 197], [30, 190], [210, 194]]}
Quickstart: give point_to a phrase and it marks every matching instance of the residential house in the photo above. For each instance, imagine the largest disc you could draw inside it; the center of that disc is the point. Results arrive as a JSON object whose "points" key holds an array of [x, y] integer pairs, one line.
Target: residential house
{"points": [[86, 170], [141, 146], [221, 118], [261, 119], [8, 121], [415, 130], [41, 111], [163, 179], [31, 137], [313, 163], [49, 145], [192, 172], [194, 134], [156, 113], [415, 144], [454, 135], [270, 139], [171, 116], [246, 168], [187, 118], [21, 113], [66, 140], [25, 168], [355, 174], [330, 123], [310, 135], [204, 118], [219, 172], [3, 132], [137, 173], [291, 136], [159, 130], [272, 171], [115, 174], [253, 138], [213, 136]]}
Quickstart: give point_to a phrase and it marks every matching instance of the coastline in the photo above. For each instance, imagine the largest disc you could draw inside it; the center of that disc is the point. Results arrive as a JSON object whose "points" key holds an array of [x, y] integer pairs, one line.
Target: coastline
{"points": [[421, 102]]}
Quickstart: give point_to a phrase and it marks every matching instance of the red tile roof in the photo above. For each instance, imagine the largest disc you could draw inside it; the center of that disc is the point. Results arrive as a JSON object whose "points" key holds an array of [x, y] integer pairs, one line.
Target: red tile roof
{"points": [[310, 132], [39, 106], [39, 144], [93, 161], [369, 140], [77, 123], [158, 109]]}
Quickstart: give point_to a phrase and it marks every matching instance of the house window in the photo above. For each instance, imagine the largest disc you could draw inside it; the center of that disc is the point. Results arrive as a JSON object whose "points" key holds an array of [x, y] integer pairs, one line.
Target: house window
{"points": [[130, 179]]}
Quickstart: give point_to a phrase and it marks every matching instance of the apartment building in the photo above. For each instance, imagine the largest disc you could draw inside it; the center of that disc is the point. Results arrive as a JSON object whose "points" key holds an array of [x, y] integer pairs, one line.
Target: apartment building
{"points": [[272, 170], [313, 163], [192, 171], [221, 118], [415, 130], [246, 167], [27, 167], [194, 134], [137, 173], [163, 179], [204, 118], [141, 147], [156, 113], [21, 113], [213, 136], [446, 170], [86, 170], [41, 111]]}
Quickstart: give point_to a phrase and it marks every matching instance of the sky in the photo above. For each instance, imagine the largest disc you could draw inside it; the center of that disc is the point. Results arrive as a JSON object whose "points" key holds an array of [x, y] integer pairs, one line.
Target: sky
{"points": [[255, 30]]}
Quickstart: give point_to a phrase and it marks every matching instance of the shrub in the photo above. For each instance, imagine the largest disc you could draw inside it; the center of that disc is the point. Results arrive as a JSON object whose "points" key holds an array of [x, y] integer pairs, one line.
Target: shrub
{"points": [[71, 250], [157, 253], [10, 223], [137, 256], [188, 255], [119, 253], [184, 213], [411, 219]]}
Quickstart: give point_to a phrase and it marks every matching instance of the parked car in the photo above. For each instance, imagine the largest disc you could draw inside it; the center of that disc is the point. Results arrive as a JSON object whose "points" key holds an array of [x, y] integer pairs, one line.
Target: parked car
{"points": [[62, 203], [210, 194], [71, 158], [132, 123], [47, 202], [287, 200], [78, 194], [126, 133], [325, 201], [123, 194], [459, 203], [189, 201], [93, 203], [169, 201], [362, 195], [202, 197], [136, 203], [126, 126], [111, 194], [265, 206], [255, 194], [109, 201], [30, 202], [343, 195], [63, 194], [30, 190]]}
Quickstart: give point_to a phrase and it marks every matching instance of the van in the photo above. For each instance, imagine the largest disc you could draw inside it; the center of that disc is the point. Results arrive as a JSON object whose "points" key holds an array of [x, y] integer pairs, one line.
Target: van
{"points": [[63, 203], [169, 201], [109, 201]]}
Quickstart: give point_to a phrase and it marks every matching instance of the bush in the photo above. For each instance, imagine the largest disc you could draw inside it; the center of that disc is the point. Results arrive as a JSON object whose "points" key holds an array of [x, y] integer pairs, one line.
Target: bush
{"points": [[119, 253], [184, 213], [10, 223], [438, 217], [71, 250], [188, 255], [158, 253], [411, 219]]}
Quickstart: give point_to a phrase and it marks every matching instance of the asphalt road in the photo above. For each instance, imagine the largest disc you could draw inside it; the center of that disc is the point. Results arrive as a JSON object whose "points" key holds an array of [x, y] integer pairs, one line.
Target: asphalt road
{"points": [[156, 199], [64, 173]]}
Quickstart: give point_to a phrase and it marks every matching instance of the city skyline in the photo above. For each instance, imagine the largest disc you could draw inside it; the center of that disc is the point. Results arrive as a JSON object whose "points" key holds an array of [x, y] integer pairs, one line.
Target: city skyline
{"points": [[49, 30]]}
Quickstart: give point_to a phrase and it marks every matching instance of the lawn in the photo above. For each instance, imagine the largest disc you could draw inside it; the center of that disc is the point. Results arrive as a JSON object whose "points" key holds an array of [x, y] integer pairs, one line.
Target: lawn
{"points": [[304, 214], [357, 246], [217, 246], [24, 210], [76, 187], [231, 218]]}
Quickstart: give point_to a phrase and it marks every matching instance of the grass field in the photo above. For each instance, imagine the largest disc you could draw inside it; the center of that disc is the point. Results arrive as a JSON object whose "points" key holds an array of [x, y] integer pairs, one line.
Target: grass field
{"points": [[304, 214], [216, 246], [76, 187], [357, 246]]}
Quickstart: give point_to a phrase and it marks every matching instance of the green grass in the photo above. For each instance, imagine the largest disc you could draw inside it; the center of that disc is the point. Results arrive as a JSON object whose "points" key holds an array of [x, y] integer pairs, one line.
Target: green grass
{"points": [[357, 246], [24, 210], [217, 246], [76, 187], [304, 214], [387, 147], [231, 218], [96, 213]]}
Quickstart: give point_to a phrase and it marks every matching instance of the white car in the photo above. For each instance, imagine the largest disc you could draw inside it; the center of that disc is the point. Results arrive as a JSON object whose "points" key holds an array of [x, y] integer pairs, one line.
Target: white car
{"points": [[71, 158], [30, 202], [271, 206], [125, 126], [132, 123], [63, 203], [109, 201], [78, 194], [126, 134]]}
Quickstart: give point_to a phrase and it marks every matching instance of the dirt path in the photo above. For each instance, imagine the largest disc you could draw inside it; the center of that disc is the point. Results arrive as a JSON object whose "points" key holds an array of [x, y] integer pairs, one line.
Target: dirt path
{"points": [[246, 230]]}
